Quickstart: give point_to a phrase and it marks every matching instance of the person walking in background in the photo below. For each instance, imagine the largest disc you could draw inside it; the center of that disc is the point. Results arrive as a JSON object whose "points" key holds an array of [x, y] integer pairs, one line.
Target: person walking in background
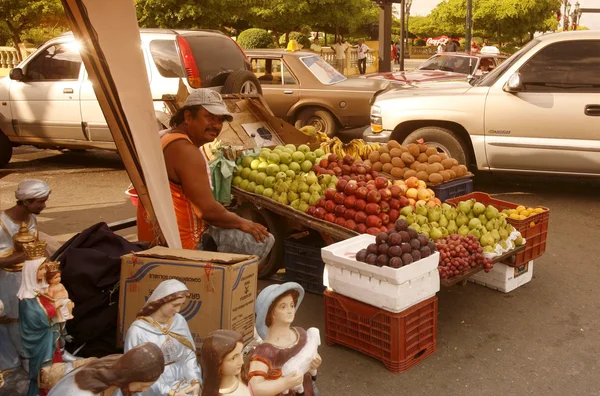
{"points": [[394, 53], [398, 48], [362, 50], [315, 46], [451, 46], [340, 54], [474, 47]]}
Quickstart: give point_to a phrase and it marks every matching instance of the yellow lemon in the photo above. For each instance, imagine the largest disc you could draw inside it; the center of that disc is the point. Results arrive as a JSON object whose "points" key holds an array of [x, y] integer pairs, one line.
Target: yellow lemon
{"points": [[520, 208], [514, 216], [524, 213], [539, 210], [532, 224]]}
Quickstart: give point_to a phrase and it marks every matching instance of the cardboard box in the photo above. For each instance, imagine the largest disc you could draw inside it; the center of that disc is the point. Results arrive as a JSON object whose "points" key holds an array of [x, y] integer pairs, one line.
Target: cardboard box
{"points": [[222, 288]]}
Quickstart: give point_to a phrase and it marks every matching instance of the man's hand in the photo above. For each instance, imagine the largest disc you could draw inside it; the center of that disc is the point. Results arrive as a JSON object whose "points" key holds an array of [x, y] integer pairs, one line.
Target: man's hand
{"points": [[258, 231], [15, 258]]}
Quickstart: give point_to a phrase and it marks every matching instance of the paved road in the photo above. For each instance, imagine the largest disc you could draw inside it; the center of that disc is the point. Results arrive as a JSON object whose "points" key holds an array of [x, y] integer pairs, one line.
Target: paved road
{"points": [[541, 339]]}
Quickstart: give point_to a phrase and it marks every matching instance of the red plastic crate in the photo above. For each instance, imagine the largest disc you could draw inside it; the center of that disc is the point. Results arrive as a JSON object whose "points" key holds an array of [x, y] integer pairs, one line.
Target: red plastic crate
{"points": [[536, 236], [399, 340]]}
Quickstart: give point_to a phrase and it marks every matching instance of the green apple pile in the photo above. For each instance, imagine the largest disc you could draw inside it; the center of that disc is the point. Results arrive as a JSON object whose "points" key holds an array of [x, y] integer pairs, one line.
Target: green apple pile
{"points": [[285, 174]]}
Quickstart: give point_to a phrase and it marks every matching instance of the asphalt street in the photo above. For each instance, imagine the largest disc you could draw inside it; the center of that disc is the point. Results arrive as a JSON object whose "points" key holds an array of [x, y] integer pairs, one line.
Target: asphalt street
{"points": [[541, 339]]}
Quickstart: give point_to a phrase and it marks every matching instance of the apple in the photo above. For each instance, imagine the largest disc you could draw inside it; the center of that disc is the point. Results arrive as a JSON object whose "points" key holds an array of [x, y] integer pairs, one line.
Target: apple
{"points": [[394, 214], [411, 202], [394, 203], [350, 224], [362, 184], [360, 204], [345, 169], [332, 158], [385, 207], [329, 206], [317, 169], [367, 168], [374, 174], [368, 177], [348, 159], [339, 198], [423, 194], [330, 193], [360, 178], [339, 210], [311, 210], [422, 184], [395, 190], [324, 163], [321, 203], [381, 182], [330, 217], [420, 202], [412, 182], [390, 227], [385, 218], [354, 168], [386, 194], [361, 170], [373, 230], [371, 186], [350, 201], [350, 188], [412, 193], [373, 221], [374, 196], [361, 192], [373, 209], [331, 165], [432, 203], [349, 214], [403, 201], [340, 221], [341, 184], [360, 217], [360, 228], [320, 213], [337, 171]]}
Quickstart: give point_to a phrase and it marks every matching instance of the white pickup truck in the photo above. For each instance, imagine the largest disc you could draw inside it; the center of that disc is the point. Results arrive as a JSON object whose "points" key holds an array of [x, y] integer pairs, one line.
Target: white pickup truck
{"points": [[538, 112]]}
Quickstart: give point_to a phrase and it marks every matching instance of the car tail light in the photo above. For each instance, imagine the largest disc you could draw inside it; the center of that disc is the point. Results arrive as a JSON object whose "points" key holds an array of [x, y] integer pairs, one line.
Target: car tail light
{"points": [[189, 63]]}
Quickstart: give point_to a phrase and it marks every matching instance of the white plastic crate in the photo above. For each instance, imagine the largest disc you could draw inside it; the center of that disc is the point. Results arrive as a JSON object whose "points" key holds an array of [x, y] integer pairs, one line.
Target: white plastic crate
{"points": [[504, 278], [392, 289]]}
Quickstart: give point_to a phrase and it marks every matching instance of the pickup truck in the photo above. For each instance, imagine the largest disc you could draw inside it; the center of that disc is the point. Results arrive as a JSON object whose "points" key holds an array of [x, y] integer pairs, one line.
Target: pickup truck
{"points": [[537, 112]]}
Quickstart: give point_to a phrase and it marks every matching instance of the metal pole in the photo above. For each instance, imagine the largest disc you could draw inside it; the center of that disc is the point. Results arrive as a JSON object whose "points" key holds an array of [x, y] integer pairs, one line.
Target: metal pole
{"points": [[402, 33], [385, 36], [468, 26]]}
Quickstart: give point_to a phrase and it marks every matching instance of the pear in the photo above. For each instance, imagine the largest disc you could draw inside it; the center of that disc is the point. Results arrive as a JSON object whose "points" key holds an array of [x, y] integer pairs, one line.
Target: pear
{"points": [[451, 214], [433, 215], [452, 227], [491, 212], [421, 210], [303, 206], [470, 215], [425, 228], [495, 235], [486, 239], [314, 198], [444, 232], [443, 221], [463, 230], [464, 207], [475, 233], [426, 233], [519, 241], [461, 219], [490, 225], [415, 226], [436, 233], [295, 204], [503, 233], [421, 220], [474, 223], [478, 208], [482, 219], [283, 199], [488, 249], [407, 210], [304, 196], [292, 196], [411, 218]]}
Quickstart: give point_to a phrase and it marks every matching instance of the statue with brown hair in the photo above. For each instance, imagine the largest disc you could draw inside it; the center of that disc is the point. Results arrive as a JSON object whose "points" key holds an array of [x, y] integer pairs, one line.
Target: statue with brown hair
{"points": [[159, 322], [222, 364], [135, 371], [287, 361], [58, 293]]}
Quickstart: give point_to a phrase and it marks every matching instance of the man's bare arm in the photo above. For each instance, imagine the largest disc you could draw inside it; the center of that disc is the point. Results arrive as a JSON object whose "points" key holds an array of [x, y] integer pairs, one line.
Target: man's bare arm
{"points": [[15, 258]]}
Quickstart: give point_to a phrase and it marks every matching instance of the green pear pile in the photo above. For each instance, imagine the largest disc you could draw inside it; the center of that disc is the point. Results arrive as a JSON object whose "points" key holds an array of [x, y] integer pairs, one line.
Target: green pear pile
{"points": [[285, 175], [486, 223]]}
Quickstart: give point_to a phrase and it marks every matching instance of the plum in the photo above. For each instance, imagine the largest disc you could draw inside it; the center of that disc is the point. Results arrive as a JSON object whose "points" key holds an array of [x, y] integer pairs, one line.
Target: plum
{"points": [[415, 244], [423, 239], [372, 248], [395, 251], [405, 246], [401, 225], [405, 236], [425, 251], [381, 237], [413, 233], [361, 255], [416, 255], [394, 239], [395, 262], [382, 260], [407, 258], [383, 248], [371, 259], [431, 246]]}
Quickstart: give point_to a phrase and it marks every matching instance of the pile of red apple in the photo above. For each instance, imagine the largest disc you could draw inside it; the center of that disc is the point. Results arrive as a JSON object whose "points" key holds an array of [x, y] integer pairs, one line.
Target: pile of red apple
{"points": [[363, 206], [347, 166]]}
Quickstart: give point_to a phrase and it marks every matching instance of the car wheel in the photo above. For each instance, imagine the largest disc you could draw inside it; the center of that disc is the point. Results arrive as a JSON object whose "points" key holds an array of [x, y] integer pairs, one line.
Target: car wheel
{"points": [[321, 119], [270, 264], [444, 140], [242, 81], [6, 149]]}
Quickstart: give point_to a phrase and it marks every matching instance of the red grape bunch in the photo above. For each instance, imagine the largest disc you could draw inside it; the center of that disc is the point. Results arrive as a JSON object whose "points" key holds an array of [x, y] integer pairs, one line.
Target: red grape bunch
{"points": [[397, 247], [458, 254]]}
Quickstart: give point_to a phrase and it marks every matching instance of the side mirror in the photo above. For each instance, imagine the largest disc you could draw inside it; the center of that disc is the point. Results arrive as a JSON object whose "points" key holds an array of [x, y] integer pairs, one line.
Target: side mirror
{"points": [[514, 84], [16, 74]]}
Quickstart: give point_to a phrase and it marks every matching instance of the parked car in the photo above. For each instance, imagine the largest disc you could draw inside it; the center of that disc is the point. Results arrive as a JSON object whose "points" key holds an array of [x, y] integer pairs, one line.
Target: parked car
{"points": [[302, 88], [445, 66], [49, 102], [538, 112]]}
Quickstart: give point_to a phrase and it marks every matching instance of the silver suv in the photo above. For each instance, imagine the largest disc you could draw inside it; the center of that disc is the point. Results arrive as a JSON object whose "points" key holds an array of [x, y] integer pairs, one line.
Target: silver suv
{"points": [[538, 112], [48, 100]]}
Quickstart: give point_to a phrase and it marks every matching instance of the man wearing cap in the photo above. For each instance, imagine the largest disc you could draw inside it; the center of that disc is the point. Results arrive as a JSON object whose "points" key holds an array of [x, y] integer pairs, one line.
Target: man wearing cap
{"points": [[31, 200], [198, 122]]}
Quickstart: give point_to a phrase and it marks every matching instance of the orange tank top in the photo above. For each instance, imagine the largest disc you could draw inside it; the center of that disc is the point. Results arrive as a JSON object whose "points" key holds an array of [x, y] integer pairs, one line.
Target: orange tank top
{"points": [[189, 218]]}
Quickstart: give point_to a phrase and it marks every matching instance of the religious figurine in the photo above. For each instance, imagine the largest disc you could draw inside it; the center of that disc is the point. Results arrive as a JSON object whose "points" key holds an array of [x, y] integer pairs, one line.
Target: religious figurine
{"points": [[135, 371], [275, 310], [159, 322], [58, 293], [39, 332], [31, 196], [222, 363]]}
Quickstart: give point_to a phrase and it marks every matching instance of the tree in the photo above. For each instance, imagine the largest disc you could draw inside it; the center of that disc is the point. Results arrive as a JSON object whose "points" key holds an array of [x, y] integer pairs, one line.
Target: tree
{"points": [[22, 15]]}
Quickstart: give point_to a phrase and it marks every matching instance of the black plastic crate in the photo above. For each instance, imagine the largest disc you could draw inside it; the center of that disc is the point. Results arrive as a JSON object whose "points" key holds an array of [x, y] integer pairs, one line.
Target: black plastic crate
{"points": [[453, 189], [303, 263]]}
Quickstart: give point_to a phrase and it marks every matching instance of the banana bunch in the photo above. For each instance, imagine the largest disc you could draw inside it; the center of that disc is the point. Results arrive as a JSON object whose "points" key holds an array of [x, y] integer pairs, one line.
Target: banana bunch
{"points": [[356, 147]]}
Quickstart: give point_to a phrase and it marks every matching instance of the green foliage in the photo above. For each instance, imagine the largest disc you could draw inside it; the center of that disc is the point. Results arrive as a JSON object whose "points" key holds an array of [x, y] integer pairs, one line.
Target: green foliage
{"points": [[255, 38], [301, 38], [420, 43], [40, 35]]}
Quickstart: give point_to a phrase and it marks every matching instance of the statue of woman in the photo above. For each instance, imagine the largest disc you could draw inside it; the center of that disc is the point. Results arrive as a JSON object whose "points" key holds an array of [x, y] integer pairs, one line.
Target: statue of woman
{"points": [[222, 363], [159, 322], [39, 332], [275, 310], [132, 372]]}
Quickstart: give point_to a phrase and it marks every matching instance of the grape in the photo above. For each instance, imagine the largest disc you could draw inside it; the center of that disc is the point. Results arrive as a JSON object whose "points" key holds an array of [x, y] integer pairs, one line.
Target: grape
{"points": [[459, 254]]}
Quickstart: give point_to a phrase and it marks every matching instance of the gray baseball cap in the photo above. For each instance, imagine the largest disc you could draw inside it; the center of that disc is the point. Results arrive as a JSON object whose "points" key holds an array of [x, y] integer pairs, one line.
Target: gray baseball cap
{"points": [[209, 99]]}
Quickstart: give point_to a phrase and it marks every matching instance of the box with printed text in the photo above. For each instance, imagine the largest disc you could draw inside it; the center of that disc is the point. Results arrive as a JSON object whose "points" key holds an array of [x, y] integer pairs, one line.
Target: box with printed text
{"points": [[222, 288]]}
